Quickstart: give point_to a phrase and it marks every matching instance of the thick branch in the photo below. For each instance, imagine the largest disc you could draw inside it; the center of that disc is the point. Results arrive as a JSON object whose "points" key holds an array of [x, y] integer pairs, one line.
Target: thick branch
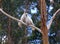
{"points": [[51, 20], [19, 20]]}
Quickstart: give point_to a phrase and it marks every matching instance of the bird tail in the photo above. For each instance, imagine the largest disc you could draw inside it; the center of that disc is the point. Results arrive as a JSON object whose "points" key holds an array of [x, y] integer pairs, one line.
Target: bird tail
{"points": [[33, 28], [19, 24]]}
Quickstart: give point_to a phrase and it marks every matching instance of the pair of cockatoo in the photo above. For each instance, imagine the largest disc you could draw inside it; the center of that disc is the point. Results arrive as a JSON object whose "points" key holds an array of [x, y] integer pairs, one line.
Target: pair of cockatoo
{"points": [[26, 19]]}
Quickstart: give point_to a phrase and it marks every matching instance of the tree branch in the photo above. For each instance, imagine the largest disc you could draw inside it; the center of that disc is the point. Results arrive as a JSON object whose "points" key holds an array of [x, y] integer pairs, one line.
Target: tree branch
{"points": [[19, 20], [51, 20]]}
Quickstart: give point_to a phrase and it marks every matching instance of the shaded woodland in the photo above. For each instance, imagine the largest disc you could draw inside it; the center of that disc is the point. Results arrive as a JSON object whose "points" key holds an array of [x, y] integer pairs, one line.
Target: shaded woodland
{"points": [[45, 15]]}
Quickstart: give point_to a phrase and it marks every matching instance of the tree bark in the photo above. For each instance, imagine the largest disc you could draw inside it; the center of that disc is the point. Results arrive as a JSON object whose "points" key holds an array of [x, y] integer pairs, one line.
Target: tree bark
{"points": [[10, 41], [9, 31], [43, 22], [0, 3], [24, 38]]}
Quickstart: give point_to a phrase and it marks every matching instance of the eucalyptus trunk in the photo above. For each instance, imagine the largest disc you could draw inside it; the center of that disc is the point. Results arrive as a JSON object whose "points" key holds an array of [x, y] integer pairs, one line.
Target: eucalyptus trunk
{"points": [[43, 21]]}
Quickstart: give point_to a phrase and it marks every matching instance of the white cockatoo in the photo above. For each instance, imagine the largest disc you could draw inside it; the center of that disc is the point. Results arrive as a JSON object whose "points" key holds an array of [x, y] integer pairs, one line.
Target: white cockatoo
{"points": [[26, 19]]}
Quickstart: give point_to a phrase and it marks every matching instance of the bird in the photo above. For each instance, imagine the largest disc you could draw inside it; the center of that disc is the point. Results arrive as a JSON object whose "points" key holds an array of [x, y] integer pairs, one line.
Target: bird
{"points": [[26, 19]]}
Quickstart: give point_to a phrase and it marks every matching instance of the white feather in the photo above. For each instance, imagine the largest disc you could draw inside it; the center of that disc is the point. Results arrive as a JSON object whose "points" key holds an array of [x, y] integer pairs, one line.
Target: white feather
{"points": [[26, 19]]}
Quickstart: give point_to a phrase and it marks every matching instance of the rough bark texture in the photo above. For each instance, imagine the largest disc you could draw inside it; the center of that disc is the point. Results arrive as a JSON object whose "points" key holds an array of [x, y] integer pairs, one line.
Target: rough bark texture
{"points": [[43, 21]]}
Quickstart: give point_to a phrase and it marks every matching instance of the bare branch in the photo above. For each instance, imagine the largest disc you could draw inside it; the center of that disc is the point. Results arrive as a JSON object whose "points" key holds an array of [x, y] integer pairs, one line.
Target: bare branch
{"points": [[19, 20], [51, 20], [11, 17]]}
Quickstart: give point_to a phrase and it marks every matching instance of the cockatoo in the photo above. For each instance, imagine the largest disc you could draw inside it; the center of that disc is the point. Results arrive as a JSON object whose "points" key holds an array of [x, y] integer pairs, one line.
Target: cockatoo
{"points": [[26, 19]]}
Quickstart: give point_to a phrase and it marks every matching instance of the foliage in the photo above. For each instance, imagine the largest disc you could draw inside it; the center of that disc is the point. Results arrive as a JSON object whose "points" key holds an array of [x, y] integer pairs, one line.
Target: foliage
{"points": [[10, 6]]}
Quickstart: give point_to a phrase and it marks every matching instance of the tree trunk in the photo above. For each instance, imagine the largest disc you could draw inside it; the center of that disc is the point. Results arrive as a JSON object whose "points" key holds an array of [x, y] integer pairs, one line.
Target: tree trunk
{"points": [[0, 3], [9, 32], [10, 41], [24, 38], [43, 21], [9, 26]]}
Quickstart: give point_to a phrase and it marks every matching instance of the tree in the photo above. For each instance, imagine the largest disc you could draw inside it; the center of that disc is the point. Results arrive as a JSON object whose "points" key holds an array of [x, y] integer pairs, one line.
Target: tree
{"points": [[43, 22]]}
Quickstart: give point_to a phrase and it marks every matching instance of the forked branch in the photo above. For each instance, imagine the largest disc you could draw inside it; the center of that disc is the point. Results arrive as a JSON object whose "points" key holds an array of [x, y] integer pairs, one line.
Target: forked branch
{"points": [[51, 20]]}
